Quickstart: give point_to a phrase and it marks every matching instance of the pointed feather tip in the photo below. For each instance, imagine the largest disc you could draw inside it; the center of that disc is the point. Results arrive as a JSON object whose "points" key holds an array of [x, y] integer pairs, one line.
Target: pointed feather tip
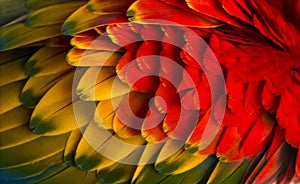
{"points": [[222, 158], [82, 166], [86, 163], [34, 122], [165, 168], [191, 148], [68, 28], [31, 72], [90, 8], [30, 69], [69, 158], [38, 126], [28, 99], [130, 13]]}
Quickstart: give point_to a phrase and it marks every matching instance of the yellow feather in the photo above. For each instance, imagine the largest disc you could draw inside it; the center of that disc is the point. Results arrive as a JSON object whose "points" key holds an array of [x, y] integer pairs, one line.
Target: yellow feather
{"points": [[100, 84], [52, 14], [18, 35], [10, 96], [6, 74]]}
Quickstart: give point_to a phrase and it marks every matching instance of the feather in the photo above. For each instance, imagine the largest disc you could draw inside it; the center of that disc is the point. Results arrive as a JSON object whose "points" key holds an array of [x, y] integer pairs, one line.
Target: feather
{"points": [[102, 86], [54, 14], [18, 35], [82, 20], [10, 96], [108, 7], [143, 10], [46, 61], [7, 77], [213, 9], [79, 57], [233, 8], [94, 41]]}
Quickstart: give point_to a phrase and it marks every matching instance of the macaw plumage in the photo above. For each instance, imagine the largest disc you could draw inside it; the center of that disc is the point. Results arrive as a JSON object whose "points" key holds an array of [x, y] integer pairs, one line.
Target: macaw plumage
{"points": [[161, 91]]}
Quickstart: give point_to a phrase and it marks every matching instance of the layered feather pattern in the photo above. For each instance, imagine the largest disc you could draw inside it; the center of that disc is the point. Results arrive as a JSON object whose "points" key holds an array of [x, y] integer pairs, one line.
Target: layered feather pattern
{"points": [[107, 91]]}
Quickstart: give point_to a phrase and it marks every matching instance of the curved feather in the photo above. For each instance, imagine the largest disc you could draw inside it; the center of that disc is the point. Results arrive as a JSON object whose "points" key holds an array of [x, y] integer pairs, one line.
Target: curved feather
{"points": [[47, 61], [36, 87], [142, 10], [17, 66], [18, 35], [14, 118], [100, 84], [19, 155], [10, 96], [68, 174], [46, 118], [80, 57], [82, 20], [54, 14], [30, 170]]}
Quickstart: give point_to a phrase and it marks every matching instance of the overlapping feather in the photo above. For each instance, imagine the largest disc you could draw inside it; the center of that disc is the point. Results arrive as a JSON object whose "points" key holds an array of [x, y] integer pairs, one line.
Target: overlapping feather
{"points": [[62, 154]]}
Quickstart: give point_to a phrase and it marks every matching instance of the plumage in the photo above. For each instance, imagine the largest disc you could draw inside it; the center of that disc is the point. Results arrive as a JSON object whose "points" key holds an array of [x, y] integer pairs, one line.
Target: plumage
{"points": [[162, 91]]}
